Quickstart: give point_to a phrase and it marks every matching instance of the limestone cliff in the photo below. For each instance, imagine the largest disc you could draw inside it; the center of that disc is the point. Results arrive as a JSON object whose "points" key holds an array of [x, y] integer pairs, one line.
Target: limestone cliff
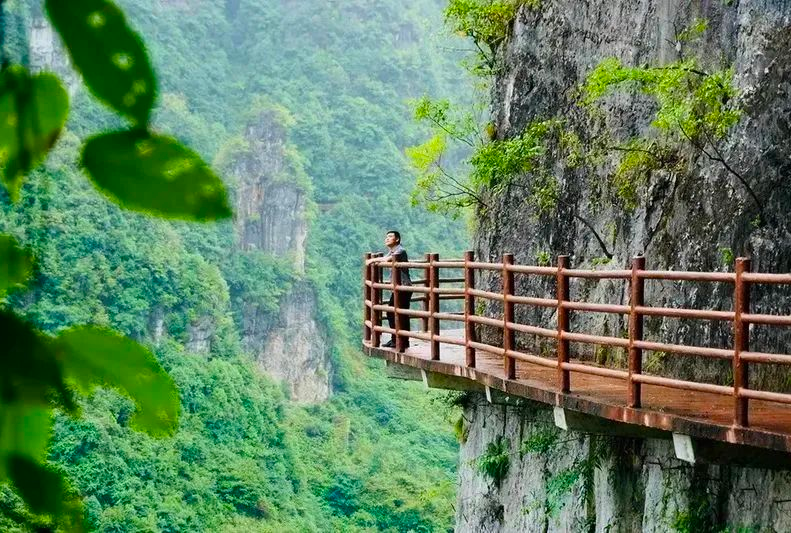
{"points": [[46, 53], [690, 217], [694, 216], [631, 485], [270, 203], [271, 217]]}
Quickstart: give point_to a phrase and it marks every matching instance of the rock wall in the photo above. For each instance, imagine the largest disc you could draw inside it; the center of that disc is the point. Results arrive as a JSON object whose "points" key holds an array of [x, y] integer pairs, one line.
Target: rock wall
{"points": [[633, 484], [688, 218], [271, 217], [47, 53], [295, 350], [684, 220], [270, 204]]}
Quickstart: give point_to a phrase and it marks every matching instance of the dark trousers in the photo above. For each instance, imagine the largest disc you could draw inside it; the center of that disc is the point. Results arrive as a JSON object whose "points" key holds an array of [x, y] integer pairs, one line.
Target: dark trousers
{"points": [[404, 299]]}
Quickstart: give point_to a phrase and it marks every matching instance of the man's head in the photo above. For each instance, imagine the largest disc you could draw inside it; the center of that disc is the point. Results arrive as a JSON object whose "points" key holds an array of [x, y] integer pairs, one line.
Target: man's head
{"points": [[393, 238]]}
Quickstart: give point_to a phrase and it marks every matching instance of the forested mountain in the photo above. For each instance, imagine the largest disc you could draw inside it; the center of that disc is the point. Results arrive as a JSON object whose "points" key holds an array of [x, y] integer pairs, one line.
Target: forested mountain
{"points": [[303, 107]]}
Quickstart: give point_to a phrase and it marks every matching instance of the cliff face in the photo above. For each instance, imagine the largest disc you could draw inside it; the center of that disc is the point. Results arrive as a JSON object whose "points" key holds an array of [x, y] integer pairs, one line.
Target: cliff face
{"points": [[46, 53], [632, 485], [694, 216], [271, 217], [270, 206]]}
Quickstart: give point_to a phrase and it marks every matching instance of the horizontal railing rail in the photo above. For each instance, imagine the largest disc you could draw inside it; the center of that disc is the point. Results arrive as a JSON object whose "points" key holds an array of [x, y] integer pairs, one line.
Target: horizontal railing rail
{"points": [[434, 288]]}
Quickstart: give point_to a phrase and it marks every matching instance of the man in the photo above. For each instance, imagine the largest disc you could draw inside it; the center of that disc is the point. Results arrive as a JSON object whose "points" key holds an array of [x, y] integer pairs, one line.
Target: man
{"points": [[397, 253]]}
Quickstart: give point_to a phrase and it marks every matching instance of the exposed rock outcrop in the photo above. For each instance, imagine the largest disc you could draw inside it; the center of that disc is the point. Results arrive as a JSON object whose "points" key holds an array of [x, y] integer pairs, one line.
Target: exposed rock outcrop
{"points": [[295, 349], [46, 53], [688, 218], [633, 485], [271, 205], [271, 217]]}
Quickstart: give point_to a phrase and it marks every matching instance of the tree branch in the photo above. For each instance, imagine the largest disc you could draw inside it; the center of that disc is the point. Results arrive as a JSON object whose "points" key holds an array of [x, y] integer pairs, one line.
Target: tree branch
{"points": [[718, 158]]}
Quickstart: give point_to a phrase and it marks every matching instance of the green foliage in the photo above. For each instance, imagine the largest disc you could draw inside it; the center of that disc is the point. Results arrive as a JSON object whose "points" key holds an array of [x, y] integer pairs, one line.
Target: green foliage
{"points": [[111, 58], [691, 102], [486, 22], [543, 258], [16, 265], [34, 109], [496, 162], [155, 174], [544, 194], [694, 31], [496, 460], [449, 119], [695, 108], [491, 165], [727, 256], [243, 458], [541, 442], [85, 354]]}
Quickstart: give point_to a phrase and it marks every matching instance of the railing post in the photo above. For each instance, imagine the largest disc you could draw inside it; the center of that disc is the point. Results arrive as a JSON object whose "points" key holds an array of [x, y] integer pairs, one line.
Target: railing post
{"points": [[433, 304], [425, 305], [741, 342], [376, 299], [399, 318], [563, 323], [366, 297], [636, 290], [469, 308], [508, 316]]}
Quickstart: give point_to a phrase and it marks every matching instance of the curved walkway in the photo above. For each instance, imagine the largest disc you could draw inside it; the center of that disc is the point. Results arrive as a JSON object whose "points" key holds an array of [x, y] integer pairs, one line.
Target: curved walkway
{"points": [[692, 413]]}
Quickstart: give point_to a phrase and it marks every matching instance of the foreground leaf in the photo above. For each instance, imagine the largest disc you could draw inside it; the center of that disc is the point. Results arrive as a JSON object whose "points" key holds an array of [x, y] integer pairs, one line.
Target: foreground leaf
{"points": [[93, 356], [33, 110], [110, 56], [16, 265], [30, 372], [45, 492], [156, 174], [24, 431]]}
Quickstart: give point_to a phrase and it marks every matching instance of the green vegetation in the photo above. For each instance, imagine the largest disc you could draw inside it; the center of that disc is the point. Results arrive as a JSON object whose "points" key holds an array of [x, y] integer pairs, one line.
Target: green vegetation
{"points": [[695, 109], [486, 23], [496, 460], [136, 168], [489, 164], [243, 458]]}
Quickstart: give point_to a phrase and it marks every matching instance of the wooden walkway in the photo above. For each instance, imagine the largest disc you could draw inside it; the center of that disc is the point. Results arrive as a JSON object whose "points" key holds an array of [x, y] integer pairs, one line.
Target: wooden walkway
{"points": [[740, 412], [693, 413]]}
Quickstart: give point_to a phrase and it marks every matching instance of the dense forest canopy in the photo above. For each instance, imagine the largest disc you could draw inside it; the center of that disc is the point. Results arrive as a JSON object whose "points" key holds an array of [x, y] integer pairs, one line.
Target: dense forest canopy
{"points": [[336, 78]]}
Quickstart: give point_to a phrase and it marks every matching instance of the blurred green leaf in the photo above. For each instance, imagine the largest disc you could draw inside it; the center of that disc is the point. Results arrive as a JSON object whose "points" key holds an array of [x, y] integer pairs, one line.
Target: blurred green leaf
{"points": [[24, 431], [45, 492], [16, 265], [110, 56], [93, 356], [33, 111], [154, 173], [41, 488], [31, 374]]}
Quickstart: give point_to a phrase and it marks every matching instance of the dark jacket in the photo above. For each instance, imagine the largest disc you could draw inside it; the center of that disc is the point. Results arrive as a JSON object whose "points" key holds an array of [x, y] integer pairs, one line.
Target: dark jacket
{"points": [[400, 257]]}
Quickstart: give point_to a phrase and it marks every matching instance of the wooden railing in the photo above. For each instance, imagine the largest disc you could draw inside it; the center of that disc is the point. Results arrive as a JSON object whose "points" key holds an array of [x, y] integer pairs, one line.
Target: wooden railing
{"points": [[433, 289]]}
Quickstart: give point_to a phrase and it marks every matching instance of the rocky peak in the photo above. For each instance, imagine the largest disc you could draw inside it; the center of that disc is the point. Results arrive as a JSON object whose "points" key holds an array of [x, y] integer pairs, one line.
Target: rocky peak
{"points": [[270, 202]]}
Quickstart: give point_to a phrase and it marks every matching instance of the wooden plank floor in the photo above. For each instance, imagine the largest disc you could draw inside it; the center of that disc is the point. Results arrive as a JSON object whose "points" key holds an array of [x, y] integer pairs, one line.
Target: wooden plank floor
{"points": [[692, 413]]}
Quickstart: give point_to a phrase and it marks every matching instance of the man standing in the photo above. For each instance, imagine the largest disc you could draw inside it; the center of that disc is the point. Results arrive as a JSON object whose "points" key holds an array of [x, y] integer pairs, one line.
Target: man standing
{"points": [[397, 253]]}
